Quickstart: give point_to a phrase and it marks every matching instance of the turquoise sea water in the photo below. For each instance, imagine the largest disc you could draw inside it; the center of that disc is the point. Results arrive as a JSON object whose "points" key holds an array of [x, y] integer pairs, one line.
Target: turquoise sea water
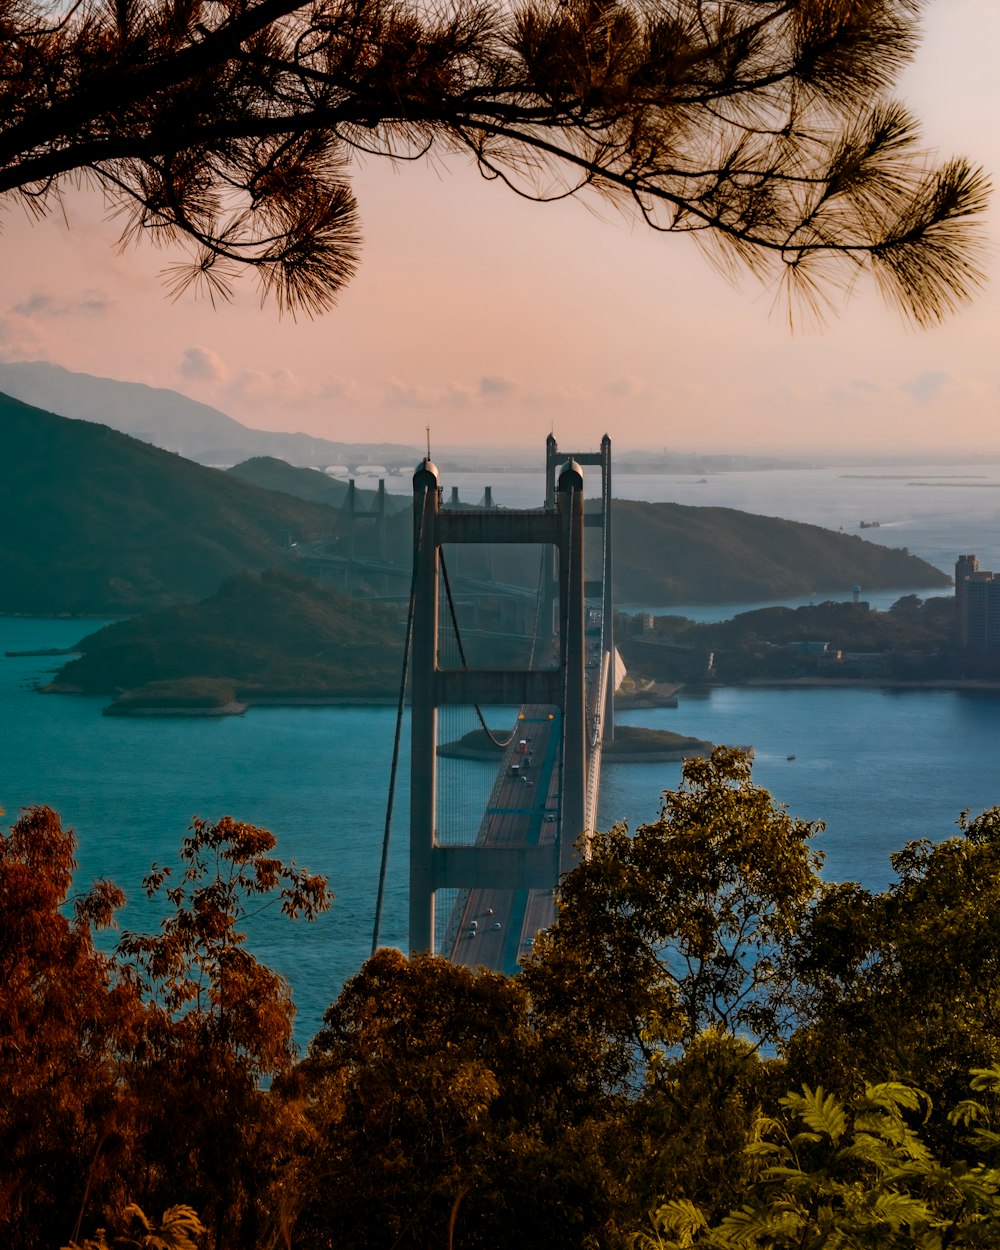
{"points": [[879, 768], [935, 513]]}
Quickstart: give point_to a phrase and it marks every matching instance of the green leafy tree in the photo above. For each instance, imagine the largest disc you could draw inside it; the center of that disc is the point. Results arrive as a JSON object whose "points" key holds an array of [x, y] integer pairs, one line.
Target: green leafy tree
{"points": [[763, 129], [691, 1129], [834, 1175], [439, 1115], [673, 930], [905, 984]]}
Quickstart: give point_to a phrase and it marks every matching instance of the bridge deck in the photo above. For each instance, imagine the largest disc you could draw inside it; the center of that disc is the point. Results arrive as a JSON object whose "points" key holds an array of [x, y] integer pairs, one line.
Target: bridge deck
{"points": [[493, 928]]}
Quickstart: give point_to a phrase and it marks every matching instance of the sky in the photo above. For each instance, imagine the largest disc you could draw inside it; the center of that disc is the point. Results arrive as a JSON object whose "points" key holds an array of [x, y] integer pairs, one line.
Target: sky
{"points": [[492, 320]]}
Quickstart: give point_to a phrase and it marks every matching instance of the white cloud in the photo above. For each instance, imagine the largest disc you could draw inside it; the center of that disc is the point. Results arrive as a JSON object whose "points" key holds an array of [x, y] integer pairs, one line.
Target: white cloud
{"points": [[926, 386], [282, 386], [90, 303], [493, 387], [201, 365], [631, 388], [20, 340]]}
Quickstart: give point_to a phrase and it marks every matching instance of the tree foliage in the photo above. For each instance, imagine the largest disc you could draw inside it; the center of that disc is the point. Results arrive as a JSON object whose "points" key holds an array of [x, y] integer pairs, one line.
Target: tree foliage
{"points": [[131, 1082], [761, 127], [836, 1175], [905, 984], [671, 930], [440, 1111], [620, 1074], [65, 1021]]}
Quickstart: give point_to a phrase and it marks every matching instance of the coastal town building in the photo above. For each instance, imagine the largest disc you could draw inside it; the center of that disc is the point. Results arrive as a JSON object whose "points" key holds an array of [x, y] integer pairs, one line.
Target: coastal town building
{"points": [[977, 605]]}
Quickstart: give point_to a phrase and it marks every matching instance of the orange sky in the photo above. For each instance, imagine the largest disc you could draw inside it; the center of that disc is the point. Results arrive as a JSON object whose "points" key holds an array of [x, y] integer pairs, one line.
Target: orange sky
{"points": [[493, 320]]}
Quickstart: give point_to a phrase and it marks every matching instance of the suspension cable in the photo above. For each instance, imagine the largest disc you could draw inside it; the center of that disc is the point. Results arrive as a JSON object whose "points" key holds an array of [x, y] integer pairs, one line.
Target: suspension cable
{"points": [[461, 651], [377, 929], [539, 594], [566, 576]]}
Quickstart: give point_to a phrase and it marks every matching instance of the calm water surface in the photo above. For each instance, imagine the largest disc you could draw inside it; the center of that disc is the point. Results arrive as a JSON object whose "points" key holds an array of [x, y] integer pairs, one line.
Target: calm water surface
{"points": [[935, 514], [879, 768]]}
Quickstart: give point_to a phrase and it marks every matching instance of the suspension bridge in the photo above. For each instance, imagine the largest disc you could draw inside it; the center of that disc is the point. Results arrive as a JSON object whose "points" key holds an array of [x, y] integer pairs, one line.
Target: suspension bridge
{"points": [[481, 880]]}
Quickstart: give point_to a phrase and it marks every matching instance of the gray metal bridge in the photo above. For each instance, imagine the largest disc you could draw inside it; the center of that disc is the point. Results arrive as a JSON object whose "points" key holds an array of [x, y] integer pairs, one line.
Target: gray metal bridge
{"points": [[497, 880]]}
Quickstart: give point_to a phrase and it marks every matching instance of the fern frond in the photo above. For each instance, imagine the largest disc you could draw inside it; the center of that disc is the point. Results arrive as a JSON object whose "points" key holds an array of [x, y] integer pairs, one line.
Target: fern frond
{"points": [[967, 1113], [985, 1079], [681, 1220], [821, 1112], [894, 1096], [903, 1211]]}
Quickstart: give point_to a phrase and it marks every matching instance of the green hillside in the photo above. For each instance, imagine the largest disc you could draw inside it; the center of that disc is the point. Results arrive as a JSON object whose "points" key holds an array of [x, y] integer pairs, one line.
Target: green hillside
{"points": [[274, 474], [274, 634], [93, 521], [667, 553]]}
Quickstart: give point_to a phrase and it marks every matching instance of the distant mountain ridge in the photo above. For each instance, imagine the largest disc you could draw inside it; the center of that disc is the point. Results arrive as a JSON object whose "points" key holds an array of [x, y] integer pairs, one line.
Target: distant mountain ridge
{"points": [[668, 553], [170, 420], [276, 474], [95, 522]]}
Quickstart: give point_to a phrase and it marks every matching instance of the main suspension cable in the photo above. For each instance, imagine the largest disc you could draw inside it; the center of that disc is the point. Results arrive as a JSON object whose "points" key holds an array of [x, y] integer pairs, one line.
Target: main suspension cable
{"points": [[461, 651], [377, 929]]}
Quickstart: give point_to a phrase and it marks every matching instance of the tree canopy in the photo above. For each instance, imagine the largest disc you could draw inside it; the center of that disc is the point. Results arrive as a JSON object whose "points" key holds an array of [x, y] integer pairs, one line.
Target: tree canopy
{"points": [[762, 127], [628, 1090]]}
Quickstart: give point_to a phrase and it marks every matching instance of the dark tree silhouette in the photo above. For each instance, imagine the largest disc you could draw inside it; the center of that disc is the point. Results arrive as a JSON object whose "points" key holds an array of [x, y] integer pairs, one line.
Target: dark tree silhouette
{"points": [[760, 126]]}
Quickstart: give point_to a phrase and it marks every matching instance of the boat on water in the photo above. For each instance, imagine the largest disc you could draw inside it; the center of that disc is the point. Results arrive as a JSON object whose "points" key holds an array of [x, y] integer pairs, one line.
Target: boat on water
{"points": [[789, 757], [870, 525]]}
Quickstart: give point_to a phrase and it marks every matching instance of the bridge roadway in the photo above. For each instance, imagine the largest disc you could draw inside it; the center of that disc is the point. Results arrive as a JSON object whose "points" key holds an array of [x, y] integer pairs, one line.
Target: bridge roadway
{"points": [[494, 928]]}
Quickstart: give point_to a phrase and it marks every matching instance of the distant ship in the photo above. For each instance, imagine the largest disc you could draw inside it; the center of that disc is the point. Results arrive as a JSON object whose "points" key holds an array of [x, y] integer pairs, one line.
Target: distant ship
{"points": [[870, 525]]}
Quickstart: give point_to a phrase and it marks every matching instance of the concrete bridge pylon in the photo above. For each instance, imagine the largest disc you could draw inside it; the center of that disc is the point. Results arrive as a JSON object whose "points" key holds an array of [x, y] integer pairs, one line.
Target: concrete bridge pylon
{"points": [[559, 682]]}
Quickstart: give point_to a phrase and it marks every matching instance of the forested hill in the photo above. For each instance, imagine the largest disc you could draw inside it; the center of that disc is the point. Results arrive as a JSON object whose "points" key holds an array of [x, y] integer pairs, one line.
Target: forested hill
{"points": [[274, 474], [93, 521], [277, 634], [667, 553]]}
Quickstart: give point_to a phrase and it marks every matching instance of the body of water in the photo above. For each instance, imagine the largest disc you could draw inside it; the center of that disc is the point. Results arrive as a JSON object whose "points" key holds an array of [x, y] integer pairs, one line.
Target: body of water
{"points": [[879, 768], [937, 515]]}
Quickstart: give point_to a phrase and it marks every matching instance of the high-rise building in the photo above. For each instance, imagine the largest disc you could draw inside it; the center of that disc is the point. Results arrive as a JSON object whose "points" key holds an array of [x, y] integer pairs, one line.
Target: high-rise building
{"points": [[977, 605]]}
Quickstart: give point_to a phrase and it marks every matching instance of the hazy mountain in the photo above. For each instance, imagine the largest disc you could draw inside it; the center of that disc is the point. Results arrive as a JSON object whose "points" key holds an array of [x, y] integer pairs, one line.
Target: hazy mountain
{"points": [[170, 420], [668, 553], [92, 521], [275, 474]]}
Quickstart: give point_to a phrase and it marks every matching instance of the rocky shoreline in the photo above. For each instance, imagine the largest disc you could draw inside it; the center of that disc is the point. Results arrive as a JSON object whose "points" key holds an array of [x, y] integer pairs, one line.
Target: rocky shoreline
{"points": [[146, 710]]}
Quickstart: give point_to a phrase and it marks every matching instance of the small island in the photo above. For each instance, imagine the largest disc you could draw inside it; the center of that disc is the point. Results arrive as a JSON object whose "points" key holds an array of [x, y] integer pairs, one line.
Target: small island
{"points": [[185, 696], [274, 638], [630, 745]]}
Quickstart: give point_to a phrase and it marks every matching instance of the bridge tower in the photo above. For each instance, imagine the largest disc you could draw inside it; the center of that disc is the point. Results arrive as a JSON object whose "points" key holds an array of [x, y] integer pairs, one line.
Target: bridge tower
{"points": [[603, 586], [559, 685], [352, 507]]}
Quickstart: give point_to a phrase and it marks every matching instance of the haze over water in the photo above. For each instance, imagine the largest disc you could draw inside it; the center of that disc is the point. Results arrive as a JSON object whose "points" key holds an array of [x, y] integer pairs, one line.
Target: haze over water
{"points": [[879, 768]]}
